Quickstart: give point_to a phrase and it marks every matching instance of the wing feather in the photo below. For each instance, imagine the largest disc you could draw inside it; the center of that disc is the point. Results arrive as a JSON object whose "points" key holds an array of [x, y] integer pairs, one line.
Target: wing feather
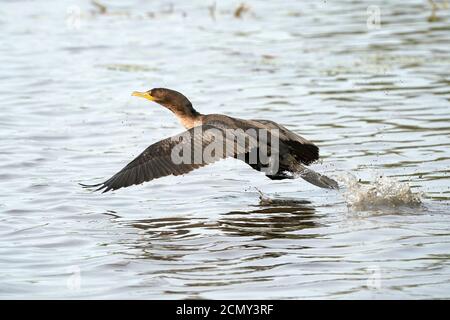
{"points": [[156, 160], [304, 150]]}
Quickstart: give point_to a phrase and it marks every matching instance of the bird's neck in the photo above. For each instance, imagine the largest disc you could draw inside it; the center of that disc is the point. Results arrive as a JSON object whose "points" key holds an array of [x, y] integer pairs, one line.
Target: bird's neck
{"points": [[190, 119]]}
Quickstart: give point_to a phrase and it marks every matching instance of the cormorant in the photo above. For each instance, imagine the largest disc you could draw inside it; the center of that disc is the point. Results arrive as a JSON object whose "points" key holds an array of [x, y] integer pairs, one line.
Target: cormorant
{"points": [[291, 150]]}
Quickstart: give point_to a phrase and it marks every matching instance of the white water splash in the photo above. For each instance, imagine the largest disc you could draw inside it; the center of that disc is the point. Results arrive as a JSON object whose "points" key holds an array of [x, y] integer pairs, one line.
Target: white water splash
{"points": [[383, 192]]}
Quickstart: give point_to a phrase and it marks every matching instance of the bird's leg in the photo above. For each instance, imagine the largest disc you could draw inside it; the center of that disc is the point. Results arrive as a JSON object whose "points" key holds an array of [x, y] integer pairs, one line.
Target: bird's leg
{"points": [[313, 177]]}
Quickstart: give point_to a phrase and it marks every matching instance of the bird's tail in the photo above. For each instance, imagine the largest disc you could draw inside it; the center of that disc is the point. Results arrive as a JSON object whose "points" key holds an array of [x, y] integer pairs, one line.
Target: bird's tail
{"points": [[315, 178]]}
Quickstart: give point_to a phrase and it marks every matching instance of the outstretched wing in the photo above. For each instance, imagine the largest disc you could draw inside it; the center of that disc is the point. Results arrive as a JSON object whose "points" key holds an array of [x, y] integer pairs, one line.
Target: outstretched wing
{"points": [[180, 154], [304, 150]]}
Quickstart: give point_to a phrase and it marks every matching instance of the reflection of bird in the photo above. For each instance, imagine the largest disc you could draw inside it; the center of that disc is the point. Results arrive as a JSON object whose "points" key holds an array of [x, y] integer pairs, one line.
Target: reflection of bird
{"points": [[202, 131], [272, 219]]}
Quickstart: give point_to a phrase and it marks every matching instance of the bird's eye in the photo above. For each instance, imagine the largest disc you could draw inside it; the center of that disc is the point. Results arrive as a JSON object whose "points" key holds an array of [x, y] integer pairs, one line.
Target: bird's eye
{"points": [[156, 93]]}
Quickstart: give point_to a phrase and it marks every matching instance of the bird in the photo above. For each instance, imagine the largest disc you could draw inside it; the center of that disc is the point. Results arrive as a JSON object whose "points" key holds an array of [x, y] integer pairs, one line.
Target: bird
{"points": [[286, 154]]}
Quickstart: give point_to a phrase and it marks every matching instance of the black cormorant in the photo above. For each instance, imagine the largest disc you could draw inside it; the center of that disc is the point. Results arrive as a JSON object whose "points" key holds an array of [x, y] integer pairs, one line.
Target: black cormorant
{"points": [[293, 152]]}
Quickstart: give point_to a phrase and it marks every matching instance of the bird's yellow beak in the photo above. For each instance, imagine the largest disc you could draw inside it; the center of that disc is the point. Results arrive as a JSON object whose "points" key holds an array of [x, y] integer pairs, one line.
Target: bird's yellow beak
{"points": [[145, 95]]}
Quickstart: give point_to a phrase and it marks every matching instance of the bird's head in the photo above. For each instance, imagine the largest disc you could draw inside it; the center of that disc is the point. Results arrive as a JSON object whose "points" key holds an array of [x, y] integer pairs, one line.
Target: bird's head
{"points": [[171, 99]]}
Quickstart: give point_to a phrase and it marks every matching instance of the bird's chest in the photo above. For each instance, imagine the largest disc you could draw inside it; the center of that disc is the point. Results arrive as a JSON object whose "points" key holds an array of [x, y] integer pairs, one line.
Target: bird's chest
{"points": [[189, 122]]}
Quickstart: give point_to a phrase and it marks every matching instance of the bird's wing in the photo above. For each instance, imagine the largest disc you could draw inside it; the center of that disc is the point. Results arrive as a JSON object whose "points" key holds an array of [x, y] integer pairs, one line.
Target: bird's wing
{"points": [[180, 154], [304, 150]]}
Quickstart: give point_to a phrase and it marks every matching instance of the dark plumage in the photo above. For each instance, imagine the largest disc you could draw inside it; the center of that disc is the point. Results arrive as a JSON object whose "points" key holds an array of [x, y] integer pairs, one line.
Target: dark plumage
{"points": [[293, 151]]}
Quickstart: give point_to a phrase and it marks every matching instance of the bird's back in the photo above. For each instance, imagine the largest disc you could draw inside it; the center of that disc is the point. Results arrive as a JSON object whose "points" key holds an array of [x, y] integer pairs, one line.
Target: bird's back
{"points": [[304, 150]]}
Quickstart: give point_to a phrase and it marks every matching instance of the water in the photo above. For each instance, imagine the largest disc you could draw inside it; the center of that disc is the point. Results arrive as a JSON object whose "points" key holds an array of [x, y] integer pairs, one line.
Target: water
{"points": [[376, 101]]}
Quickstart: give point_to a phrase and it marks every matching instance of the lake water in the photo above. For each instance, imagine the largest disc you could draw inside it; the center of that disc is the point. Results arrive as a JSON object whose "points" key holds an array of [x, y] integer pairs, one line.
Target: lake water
{"points": [[375, 98]]}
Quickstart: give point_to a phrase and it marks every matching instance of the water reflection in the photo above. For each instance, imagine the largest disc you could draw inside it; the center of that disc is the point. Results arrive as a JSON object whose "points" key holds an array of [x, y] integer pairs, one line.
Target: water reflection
{"points": [[170, 238], [271, 219]]}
